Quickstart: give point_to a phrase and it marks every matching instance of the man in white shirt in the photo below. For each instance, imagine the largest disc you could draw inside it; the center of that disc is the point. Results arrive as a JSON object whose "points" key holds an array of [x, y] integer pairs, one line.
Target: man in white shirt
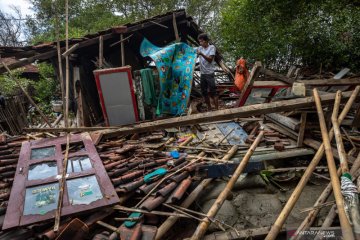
{"points": [[206, 54]]}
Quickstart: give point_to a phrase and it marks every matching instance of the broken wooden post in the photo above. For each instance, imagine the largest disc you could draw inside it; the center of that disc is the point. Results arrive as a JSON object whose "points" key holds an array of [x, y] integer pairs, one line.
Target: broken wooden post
{"points": [[101, 49], [177, 38], [203, 226], [275, 229], [249, 82], [122, 49], [27, 95], [344, 222], [302, 129]]}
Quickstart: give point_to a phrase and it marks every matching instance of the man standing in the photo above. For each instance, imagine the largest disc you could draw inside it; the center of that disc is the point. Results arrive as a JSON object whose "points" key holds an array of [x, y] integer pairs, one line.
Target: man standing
{"points": [[206, 54]]}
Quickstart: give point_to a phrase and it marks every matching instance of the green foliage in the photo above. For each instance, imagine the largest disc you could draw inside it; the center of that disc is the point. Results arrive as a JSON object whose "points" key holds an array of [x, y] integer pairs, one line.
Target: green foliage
{"points": [[283, 33], [8, 86], [46, 87], [89, 16]]}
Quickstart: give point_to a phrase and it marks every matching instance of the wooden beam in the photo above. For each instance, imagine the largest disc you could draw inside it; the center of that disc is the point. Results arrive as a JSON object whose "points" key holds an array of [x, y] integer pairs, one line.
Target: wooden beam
{"points": [[122, 49], [161, 25], [220, 115], [52, 53], [289, 122], [331, 82], [70, 50], [278, 76], [302, 129], [177, 38], [101, 51]]}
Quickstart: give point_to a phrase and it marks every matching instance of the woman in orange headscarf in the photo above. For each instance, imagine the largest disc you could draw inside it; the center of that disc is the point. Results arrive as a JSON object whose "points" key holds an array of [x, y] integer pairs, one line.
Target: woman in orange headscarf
{"points": [[241, 73]]}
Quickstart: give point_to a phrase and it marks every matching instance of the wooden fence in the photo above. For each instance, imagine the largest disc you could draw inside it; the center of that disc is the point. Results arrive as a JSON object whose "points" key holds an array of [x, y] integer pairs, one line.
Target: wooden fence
{"points": [[13, 116]]}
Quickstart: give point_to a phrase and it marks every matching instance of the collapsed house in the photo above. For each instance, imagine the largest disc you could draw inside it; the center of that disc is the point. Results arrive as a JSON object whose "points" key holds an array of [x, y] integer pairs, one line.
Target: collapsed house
{"points": [[253, 169]]}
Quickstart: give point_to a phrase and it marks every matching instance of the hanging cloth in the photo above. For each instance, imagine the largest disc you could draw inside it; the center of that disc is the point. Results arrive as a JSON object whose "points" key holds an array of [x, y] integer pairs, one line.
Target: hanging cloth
{"points": [[147, 79], [175, 63]]}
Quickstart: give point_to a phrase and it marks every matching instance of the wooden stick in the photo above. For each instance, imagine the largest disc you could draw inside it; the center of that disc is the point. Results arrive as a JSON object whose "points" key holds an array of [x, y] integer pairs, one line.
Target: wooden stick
{"points": [[126, 209], [27, 95], [344, 222], [101, 51], [319, 206], [108, 226], [187, 141], [161, 25], [226, 135], [122, 49], [302, 129], [197, 148], [116, 43], [182, 212], [348, 137], [70, 50], [203, 226], [276, 228], [164, 228], [62, 185], [66, 116], [177, 38], [338, 137]]}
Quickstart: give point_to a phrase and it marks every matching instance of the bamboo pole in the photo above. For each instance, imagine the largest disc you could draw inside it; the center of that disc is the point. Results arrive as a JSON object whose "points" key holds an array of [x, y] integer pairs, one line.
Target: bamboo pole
{"points": [[27, 95], [66, 116], [338, 137], [62, 185], [344, 222], [165, 227], [203, 226], [58, 48], [276, 228]]}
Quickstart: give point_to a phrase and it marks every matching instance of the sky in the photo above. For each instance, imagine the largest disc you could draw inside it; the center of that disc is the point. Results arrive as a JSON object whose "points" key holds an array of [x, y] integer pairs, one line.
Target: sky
{"points": [[5, 5]]}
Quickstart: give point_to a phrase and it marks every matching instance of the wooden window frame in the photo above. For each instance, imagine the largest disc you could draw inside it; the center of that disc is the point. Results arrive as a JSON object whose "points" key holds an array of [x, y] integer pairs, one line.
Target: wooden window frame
{"points": [[14, 215]]}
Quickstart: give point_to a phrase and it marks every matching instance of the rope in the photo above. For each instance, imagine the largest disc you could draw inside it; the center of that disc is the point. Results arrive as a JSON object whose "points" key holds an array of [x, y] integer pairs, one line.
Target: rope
{"points": [[348, 189]]}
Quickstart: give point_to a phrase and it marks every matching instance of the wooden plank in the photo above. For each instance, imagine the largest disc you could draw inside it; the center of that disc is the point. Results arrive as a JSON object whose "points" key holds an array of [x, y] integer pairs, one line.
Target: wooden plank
{"points": [[331, 82], [220, 115], [177, 38], [302, 129], [289, 122]]}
